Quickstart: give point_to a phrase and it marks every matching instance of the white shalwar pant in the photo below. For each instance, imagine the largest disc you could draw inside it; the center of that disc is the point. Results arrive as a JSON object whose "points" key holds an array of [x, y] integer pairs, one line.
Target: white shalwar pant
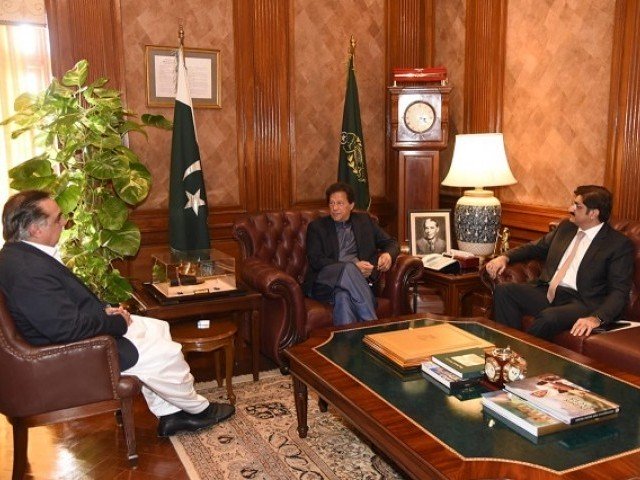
{"points": [[161, 367]]}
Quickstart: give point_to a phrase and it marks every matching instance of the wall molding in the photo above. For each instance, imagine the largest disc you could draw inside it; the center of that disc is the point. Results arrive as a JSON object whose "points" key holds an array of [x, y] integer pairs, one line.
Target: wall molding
{"points": [[528, 222], [622, 169], [485, 53]]}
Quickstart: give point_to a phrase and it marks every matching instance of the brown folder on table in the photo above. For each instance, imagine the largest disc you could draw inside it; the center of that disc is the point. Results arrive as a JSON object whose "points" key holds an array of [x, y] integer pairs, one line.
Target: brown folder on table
{"points": [[408, 348]]}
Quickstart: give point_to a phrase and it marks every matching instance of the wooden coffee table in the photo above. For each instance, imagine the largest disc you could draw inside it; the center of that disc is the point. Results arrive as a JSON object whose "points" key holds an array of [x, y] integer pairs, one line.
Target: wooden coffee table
{"points": [[428, 434]]}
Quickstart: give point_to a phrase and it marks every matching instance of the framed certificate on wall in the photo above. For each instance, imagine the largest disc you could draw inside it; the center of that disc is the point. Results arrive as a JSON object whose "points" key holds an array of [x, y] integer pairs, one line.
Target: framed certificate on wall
{"points": [[203, 73]]}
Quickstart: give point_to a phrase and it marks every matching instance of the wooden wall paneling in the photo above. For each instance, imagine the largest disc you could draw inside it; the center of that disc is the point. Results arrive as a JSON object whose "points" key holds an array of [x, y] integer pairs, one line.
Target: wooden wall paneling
{"points": [[416, 168], [262, 46], [410, 34], [410, 43], [154, 228], [486, 23], [622, 169], [87, 29], [243, 39], [529, 222]]}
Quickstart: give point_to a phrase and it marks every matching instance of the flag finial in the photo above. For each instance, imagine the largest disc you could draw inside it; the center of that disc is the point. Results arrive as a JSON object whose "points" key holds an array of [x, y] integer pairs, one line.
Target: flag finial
{"points": [[352, 46], [181, 33]]}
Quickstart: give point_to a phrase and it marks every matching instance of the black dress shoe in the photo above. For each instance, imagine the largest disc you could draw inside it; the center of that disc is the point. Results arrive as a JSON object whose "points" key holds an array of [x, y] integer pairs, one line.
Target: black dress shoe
{"points": [[182, 421], [221, 411]]}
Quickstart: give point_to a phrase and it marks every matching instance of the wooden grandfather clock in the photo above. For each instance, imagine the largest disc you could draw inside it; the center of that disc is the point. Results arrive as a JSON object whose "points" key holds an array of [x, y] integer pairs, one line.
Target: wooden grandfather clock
{"points": [[419, 130]]}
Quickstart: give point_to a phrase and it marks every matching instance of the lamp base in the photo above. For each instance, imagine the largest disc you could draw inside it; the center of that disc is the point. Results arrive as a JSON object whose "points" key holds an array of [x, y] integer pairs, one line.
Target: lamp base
{"points": [[477, 219]]}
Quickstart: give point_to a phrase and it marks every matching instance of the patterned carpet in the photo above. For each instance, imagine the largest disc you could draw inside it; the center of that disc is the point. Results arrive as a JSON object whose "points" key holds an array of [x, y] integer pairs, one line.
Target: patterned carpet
{"points": [[261, 442]]}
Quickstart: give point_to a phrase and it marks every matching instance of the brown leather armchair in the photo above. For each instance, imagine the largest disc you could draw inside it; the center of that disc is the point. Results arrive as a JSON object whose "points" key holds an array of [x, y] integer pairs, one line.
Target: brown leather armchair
{"points": [[275, 262], [619, 348], [56, 383]]}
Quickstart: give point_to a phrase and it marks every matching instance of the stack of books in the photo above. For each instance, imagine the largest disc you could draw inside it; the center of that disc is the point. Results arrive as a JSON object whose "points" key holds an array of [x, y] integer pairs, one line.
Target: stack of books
{"points": [[456, 370], [546, 404], [408, 348]]}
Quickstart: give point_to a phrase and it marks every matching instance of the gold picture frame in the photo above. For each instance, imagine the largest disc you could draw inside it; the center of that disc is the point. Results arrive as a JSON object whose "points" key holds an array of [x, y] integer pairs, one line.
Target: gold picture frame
{"points": [[203, 67]]}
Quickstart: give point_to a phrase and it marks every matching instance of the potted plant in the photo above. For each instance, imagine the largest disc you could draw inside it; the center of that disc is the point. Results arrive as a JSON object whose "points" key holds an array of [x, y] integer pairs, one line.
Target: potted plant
{"points": [[88, 169]]}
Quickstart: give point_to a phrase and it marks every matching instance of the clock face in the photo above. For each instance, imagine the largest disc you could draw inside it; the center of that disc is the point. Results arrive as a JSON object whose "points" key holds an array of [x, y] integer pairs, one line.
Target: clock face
{"points": [[492, 369], [511, 373], [419, 117], [514, 369]]}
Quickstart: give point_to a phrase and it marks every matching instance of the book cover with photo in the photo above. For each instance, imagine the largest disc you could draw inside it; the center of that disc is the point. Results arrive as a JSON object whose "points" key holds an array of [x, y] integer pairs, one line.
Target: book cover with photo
{"points": [[468, 363], [531, 423], [561, 398], [522, 413]]}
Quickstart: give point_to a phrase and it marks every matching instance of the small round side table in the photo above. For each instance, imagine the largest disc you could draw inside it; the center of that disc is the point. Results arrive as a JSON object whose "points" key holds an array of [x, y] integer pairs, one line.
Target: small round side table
{"points": [[219, 336]]}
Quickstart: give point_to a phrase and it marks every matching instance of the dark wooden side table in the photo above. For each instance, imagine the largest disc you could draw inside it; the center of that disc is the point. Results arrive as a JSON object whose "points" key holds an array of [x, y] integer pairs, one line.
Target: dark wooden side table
{"points": [[458, 291], [239, 307], [216, 337]]}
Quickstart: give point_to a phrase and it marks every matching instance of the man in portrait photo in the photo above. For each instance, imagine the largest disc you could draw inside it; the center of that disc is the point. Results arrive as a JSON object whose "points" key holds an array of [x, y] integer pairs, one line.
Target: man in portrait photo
{"points": [[431, 240]]}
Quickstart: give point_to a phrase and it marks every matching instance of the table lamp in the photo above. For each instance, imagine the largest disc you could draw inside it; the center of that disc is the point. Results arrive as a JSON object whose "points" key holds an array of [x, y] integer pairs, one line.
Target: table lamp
{"points": [[479, 160]]}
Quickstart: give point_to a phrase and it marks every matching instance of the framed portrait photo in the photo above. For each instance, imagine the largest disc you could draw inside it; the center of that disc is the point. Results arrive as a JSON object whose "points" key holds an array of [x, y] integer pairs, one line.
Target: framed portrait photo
{"points": [[203, 72], [430, 232]]}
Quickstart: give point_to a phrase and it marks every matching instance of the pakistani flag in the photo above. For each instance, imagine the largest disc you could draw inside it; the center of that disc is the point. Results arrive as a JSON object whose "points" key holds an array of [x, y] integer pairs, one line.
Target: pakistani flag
{"points": [[188, 210], [352, 165]]}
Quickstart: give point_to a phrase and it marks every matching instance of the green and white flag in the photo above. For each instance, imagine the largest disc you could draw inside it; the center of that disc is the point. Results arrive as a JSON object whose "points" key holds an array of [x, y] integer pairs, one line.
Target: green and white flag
{"points": [[352, 164], [188, 211]]}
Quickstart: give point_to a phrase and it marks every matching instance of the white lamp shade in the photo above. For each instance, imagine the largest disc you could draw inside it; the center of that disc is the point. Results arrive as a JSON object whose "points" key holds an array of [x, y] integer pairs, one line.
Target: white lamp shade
{"points": [[479, 160]]}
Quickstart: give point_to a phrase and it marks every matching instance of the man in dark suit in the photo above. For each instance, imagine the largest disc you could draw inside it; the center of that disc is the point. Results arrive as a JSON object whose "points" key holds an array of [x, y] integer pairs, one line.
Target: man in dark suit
{"points": [[347, 251], [587, 273], [50, 305]]}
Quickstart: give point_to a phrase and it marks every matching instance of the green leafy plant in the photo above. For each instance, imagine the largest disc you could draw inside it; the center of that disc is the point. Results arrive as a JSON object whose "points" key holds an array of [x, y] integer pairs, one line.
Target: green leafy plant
{"points": [[92, 174]]}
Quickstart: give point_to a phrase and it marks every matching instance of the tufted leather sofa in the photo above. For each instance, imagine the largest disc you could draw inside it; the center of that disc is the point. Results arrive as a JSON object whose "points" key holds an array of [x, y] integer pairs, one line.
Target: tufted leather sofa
{"points": [[620, 348], [274, 264]]}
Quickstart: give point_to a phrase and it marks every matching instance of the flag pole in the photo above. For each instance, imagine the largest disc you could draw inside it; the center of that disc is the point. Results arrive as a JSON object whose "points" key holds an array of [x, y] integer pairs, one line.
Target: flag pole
{"points": [[352, 164]]}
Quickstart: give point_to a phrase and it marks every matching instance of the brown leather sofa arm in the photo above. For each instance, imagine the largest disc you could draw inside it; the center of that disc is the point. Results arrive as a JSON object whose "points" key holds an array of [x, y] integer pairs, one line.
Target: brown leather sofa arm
{"points": [[405, 271], [521, 272], [266, 279], [87, 370], [274, 283]]}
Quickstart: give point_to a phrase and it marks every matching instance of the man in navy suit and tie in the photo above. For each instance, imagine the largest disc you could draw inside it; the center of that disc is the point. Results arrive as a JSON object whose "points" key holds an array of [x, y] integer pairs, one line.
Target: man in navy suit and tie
{"points": [[50, 305], [586, 277]]}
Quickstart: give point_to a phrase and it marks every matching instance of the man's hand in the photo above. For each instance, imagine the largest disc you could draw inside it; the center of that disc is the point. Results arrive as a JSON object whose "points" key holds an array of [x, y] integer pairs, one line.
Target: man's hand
{"points": [[584, 326], [496, 266], [119, 311], [384, 262], [365, 268]]}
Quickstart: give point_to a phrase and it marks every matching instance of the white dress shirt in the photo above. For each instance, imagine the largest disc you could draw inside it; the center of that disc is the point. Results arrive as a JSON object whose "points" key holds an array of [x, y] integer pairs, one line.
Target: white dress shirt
{"points": [[51, 251], [569, 279]]}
